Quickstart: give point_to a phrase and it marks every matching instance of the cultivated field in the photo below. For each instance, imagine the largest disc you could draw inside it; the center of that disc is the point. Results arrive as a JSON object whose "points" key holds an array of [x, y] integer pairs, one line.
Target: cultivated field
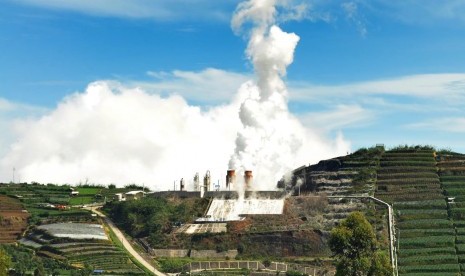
{"points": [[13, 219]]}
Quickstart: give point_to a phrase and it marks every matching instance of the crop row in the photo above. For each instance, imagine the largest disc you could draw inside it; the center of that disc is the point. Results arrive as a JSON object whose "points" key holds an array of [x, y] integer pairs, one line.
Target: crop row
{"points": [[408, 154], [429, 274], [424, 204], [455, 163], [452, 178], [432, 241], [410, 169], [407, 163], [425, 223], [421, 214], [408, 158], [431, 268], [406, 187], [452, 185], [455, 191], [409, 233], [429, 259], [457, 213], [89, 248], [460, 239], [426, 251], [97, 256], [425, 194], [409, 180], [407, 175], [397, 198]]}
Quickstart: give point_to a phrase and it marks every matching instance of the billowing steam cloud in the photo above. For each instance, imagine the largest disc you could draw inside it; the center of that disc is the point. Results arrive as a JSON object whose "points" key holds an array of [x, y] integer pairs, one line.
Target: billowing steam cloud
{"points": [[271, 140], [114, 134]]}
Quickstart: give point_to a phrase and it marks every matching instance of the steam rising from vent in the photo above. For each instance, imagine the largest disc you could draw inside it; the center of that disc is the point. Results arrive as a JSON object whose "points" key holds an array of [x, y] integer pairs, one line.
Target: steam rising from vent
{"points": [[270, 138], [111, 133]]}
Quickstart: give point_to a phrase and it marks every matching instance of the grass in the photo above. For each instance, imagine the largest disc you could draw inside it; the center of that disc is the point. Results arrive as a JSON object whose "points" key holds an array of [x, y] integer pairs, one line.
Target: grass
{"points": [[80, 200], [88, 191]]}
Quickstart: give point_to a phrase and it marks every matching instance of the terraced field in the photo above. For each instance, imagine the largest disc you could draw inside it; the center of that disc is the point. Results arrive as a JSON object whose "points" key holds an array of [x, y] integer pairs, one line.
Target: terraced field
{"points": [[93, 253], [13, 219], [451, 168], [426, 236]]}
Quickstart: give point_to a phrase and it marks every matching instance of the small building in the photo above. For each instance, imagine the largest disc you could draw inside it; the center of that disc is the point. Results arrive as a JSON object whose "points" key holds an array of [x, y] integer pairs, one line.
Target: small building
{"points": [[119, 197], [73, 192], [134, 195]]}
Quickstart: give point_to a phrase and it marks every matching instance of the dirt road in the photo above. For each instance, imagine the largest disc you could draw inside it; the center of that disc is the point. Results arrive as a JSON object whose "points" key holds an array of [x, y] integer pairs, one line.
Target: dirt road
{"points": [[126, 243]]}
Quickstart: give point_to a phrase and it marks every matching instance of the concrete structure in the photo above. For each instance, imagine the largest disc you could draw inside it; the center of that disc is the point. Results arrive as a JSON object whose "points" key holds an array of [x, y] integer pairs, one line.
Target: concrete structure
{"points": [[233, 209], [132, 195]]}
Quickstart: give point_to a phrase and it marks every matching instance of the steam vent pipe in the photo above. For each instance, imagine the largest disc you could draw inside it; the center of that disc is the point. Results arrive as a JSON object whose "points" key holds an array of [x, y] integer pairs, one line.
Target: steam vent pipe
{"points": [[230, 179], [248, 177]]}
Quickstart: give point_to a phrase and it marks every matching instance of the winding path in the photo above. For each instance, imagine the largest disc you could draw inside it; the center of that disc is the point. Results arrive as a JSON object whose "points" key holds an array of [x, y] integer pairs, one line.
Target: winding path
{"points": [[126, 243]]}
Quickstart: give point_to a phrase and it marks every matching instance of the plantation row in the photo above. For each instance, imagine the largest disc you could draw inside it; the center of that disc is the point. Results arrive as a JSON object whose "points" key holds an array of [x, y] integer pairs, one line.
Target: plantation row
{"points": [[426, 236], [97, 254]]}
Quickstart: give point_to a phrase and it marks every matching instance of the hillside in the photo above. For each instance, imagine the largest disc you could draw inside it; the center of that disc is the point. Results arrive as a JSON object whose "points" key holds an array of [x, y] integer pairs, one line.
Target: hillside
{"points": [[425, 187]]}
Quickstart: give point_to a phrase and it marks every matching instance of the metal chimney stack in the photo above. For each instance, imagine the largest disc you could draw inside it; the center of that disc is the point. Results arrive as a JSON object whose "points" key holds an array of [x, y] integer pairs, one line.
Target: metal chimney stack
{"points": [[248, 177], [182, 184], [230, 179]]}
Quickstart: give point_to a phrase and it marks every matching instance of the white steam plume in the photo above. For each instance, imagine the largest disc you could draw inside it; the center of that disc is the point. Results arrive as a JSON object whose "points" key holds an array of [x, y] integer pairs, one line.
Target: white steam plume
{"points": [[114, 134], [271, 140]]}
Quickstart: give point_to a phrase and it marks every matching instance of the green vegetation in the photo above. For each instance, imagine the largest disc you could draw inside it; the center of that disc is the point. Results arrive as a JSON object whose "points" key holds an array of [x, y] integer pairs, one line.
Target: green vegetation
{"points": [[5, 262], [172, 265], [353, 243], [24, 262], [155, 217]]}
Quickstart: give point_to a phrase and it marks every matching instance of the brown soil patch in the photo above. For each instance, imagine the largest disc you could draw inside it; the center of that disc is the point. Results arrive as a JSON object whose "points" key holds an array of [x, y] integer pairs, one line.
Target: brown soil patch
{"points": [[13, 219]]}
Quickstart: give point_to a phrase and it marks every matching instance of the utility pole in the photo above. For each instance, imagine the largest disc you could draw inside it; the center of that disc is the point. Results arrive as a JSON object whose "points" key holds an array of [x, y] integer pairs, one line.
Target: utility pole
{"points": [[14, 169]]}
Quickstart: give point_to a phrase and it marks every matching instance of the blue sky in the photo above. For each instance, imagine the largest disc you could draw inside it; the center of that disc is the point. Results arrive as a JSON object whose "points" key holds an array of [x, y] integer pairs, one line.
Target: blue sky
{"points": [[376, 71]]}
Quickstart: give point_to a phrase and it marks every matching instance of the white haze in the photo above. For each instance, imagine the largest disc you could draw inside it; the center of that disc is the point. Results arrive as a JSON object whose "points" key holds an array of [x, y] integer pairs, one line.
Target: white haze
{"points": [[116, 134]]}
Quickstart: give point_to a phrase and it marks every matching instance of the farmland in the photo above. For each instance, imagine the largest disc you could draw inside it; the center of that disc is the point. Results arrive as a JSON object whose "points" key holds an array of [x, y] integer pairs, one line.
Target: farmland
{"points": [[13, 219], [407, 179], [66, 242], [62, 237]]}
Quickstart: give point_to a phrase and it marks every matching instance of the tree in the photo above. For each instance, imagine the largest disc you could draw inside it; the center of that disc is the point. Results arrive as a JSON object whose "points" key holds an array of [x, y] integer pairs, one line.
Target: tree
{"points": [[353, 243], [5, 262]]}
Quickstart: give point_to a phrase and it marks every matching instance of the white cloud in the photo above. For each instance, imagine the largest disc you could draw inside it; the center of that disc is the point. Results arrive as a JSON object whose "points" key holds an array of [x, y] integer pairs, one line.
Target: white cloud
{"points": [[448, 88], [353, 15], [209, 86], [338, 118], [10, 113], [447, 124], [427, 12], [151, 9]]}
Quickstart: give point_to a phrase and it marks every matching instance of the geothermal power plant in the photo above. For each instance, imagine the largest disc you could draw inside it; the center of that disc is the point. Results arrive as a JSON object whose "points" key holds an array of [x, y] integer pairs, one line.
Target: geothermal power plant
{"points": [[232, 202]]}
